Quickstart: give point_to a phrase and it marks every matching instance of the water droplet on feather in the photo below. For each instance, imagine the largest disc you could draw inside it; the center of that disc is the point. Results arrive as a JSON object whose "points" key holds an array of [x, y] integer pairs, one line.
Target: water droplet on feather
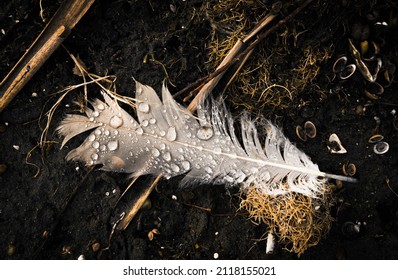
{"points": [[117, 162], [155, 152], [101, 107], [143, 107], [208, 170], [95, 114], [175, 167], [94, 156], [167, 156], [139, 130], [96, 145], [171, 134], [115, 122], [205, 133], [145, 123], [113, 145], [91, 137], [186, 165]]}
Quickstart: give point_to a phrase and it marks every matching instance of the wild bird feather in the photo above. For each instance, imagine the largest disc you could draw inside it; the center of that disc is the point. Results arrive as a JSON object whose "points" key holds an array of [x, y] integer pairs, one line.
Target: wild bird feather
{"points": [[166, 139]]}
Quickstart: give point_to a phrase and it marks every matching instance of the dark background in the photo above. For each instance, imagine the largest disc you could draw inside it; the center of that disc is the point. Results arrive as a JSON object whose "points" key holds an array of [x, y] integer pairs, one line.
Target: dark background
{"points": [[62, 212]]}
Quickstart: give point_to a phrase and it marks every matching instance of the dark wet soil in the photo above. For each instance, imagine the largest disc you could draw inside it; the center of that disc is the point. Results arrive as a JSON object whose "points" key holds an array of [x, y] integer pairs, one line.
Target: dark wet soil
{"points": [[66, 210]]}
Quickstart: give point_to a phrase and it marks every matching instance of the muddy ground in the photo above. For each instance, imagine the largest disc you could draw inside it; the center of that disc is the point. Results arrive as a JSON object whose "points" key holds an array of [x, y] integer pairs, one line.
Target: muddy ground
{"points": [[65, 210]]}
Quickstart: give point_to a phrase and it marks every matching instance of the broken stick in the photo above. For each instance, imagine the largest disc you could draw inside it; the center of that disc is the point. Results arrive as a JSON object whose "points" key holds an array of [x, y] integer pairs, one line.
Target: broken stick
{"points": [[55, 32]]}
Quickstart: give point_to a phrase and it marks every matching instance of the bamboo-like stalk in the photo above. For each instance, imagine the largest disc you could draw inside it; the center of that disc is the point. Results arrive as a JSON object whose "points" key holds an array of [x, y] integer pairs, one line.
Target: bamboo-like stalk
{"points": [[55, 32]]}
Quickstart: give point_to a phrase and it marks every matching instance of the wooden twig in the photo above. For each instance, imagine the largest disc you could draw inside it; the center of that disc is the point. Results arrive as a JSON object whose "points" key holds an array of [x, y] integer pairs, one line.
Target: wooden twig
{"points": [[137, 204], [240, 55], [55, 32], [232, 54]]}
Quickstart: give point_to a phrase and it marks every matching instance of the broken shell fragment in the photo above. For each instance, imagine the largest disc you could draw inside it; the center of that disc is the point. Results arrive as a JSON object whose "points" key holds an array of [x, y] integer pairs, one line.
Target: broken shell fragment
{"points": [[350, 229], [300, 132], [375, 138], [381, 148], [370, 76], [370, 52], [335, 146], [310, 129], [386, 78], [374, 90], [339, 64], [395, 123], [349, 169], [270, 244], [347, 72]]}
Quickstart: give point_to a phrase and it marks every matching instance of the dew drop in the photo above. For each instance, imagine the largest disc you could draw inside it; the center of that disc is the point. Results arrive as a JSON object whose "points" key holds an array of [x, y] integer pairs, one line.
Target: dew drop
{"points": [[101, 107], [162, 146], [228, 179], [155, 152], [113, 145], [167, 156], [240, 177], [98, 132], [96, 145], [145, 123], [186, 165], [162, 133], [152, 121], [91, 119], [106, 132], [143, 107], [175, 167], [116, 132], [217, 150], [205, 133], [91, 137], [115, 122], [139, 130], [171, 134], [94, 156], [103, 148], [208, 170], [95, 114], [117, 162]]}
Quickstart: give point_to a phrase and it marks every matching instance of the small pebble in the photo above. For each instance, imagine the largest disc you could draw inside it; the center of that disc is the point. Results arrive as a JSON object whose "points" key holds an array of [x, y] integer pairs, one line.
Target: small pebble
{"points": [[3, 168], [11, 249], [95, 246]]}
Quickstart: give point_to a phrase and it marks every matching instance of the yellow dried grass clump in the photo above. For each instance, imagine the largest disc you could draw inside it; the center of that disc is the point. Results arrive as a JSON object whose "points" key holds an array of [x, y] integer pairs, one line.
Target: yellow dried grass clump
{"points": [[278, 70], [298, 221]]}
